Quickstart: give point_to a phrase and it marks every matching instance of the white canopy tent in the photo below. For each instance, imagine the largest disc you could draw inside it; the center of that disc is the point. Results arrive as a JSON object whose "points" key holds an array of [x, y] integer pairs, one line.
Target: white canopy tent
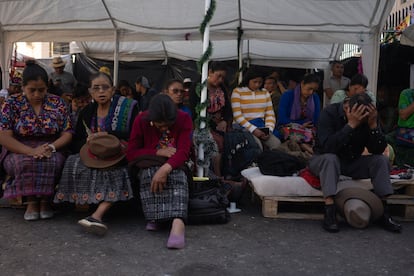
{"points": [[285, 33], [407, 36]]}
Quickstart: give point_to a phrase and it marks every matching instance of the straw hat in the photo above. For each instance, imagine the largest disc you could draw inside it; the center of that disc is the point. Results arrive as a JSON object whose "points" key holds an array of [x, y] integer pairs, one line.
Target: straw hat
{"points": [[102, 151], [106, 70], [58, 62], [359, 206]]}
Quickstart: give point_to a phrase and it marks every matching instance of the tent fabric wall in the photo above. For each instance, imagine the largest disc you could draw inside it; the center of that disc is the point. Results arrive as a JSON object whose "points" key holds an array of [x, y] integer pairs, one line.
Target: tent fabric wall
{"points": [[285, 23], [407, 36]]}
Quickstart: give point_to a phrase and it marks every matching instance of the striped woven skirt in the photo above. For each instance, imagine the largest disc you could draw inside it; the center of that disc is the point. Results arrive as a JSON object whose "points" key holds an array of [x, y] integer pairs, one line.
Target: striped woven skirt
{"points": [[30, 176], [171, 203], [83, 185]]}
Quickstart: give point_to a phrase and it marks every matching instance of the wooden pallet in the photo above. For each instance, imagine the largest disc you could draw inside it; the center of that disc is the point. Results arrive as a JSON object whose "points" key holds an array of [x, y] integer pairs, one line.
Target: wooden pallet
{"points": [[271, 206], [402, 207]]}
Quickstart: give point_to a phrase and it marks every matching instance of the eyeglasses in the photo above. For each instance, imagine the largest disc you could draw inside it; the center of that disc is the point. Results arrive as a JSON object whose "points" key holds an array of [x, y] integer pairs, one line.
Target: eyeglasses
{"points": [[176, 91], [98, 88]]}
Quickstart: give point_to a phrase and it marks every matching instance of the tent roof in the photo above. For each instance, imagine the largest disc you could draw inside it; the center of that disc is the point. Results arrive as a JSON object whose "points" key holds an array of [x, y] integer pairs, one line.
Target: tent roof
{"points": [[298, 20], [407, 36], [291, 33]]}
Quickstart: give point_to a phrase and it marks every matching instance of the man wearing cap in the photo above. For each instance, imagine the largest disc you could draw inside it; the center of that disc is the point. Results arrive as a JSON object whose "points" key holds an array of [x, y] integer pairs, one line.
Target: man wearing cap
{"points": [[344, 130], [144, 91], [63, 82]]}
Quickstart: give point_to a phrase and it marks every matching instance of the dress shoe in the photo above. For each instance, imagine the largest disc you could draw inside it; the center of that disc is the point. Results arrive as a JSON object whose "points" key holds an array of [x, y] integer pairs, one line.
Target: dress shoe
{"points": [[93, 225], [152, 226], [389, 224], [46, 214], [329, 221], [176, 241], [31, 216]]}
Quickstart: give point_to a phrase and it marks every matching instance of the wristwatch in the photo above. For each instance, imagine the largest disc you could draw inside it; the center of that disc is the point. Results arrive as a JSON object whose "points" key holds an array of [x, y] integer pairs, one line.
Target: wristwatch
{"points": [[52, 147]]}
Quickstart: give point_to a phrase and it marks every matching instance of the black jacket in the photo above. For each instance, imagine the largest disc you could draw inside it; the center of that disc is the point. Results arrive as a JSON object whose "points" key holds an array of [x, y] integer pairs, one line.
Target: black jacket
{"points": [[334, 135]]}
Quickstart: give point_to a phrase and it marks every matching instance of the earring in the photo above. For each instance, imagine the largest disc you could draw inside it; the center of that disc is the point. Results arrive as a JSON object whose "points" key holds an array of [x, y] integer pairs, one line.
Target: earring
{"points": [[112, 99], [92, 101], [151, 123]]}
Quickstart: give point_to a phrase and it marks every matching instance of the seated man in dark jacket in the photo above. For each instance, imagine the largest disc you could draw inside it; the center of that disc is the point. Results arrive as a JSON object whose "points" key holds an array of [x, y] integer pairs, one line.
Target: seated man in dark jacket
{"points": [[344, 130]]}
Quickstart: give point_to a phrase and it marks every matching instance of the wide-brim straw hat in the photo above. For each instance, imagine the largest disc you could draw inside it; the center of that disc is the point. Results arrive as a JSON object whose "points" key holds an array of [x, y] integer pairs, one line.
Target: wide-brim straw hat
{"points": [[58, 62], [359, 206], [102, 151]]}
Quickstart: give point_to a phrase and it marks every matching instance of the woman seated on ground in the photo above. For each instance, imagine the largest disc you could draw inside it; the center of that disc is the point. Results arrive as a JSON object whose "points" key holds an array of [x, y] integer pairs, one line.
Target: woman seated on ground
{"points": [[357, 85], [97, 175], [34, 128], [253, 110], [175, 89], [162, 133], [299, 111]]}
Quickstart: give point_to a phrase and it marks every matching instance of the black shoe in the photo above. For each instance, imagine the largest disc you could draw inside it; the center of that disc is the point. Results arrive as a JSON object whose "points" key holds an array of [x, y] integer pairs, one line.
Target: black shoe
{"points": [[329, 221], [389, 224]]}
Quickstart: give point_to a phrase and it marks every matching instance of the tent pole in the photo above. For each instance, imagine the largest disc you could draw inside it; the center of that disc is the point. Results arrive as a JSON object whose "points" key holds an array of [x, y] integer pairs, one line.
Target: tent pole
{"points": [[240, 45], [116, 58], [203, 95]]}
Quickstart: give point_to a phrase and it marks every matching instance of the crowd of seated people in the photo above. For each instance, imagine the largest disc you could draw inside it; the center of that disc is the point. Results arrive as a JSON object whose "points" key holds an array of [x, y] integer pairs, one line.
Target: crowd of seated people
{"points": [[83, 139]]}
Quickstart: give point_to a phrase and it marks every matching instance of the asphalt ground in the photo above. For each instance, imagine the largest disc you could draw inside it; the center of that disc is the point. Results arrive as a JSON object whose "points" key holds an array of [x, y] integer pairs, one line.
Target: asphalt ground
{"points": [[248, 245]]}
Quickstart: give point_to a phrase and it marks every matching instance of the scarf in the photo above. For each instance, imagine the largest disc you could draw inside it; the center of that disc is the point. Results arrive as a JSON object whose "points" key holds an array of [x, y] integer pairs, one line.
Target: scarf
{"points": [[119, 116], [296, 112]]}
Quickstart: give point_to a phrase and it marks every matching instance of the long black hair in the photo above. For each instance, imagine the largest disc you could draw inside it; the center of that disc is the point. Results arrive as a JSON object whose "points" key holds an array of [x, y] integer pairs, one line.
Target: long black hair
{"points": [[162, 109], [34, 72]]}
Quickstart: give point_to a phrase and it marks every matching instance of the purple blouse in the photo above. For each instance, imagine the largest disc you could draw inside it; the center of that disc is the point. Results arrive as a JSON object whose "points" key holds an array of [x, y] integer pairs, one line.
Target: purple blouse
{"points": [[18, 115]]}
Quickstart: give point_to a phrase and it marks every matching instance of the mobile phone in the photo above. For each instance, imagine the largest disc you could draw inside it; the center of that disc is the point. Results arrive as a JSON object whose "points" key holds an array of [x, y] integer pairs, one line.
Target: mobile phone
{"points": [[265, 130]]}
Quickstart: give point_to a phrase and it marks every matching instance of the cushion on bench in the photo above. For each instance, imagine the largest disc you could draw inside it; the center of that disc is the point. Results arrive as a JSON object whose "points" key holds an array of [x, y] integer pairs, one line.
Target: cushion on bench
{"points": [[269, 185]]}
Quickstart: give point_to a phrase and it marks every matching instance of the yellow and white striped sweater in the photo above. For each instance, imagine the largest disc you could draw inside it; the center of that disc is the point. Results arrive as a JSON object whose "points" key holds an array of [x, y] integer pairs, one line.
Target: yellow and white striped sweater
{"points": [[248, 105]]}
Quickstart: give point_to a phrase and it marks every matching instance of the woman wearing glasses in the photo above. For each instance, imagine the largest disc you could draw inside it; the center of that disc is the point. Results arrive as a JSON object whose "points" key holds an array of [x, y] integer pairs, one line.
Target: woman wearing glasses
{"points": [[108, 113], [175, 89], [34, 128]]}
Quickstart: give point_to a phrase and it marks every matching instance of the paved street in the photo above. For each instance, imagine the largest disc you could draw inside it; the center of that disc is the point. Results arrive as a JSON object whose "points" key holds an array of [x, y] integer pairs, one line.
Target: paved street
{"points": [[248, 245]]}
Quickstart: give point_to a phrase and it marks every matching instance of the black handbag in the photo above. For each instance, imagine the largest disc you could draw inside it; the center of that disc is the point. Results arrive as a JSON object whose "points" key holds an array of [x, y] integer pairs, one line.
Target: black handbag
{"points": [[207, 203]]}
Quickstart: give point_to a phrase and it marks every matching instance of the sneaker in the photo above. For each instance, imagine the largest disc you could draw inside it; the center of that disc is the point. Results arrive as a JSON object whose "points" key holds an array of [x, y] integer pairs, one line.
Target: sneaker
{"points": [[93, 226]]}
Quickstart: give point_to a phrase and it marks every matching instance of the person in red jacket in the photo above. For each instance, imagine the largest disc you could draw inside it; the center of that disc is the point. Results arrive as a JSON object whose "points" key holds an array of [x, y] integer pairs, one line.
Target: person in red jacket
{"points": [[162, 133]]}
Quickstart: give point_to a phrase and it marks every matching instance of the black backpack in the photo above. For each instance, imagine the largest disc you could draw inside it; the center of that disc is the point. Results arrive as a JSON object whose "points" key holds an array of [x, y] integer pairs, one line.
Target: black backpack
{"points": [[240, 151], [279, 163], [207, 203]]}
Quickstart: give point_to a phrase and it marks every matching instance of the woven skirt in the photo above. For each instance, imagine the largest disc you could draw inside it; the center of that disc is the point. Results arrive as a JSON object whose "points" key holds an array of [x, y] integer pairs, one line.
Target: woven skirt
{"points": [[171, 203], [83, 185], [30, 176]]}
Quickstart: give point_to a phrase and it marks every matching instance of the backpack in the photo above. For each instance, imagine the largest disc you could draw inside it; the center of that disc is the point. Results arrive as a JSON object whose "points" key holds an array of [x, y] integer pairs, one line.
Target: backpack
{"points": [[207, 203], [240, 151], [279, 163]]}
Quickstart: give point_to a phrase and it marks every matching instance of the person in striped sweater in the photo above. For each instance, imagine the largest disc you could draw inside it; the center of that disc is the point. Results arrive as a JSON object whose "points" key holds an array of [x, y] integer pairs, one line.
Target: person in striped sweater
{"points": [[253, 110]]}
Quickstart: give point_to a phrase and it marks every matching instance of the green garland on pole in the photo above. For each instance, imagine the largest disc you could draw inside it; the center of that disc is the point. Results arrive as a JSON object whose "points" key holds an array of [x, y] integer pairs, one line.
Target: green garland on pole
{"points": [[204, 58]]}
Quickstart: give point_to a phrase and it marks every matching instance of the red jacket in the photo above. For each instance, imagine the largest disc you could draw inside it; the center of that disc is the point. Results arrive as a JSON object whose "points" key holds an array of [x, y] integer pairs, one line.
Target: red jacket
{"points": [[145, 138]]}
